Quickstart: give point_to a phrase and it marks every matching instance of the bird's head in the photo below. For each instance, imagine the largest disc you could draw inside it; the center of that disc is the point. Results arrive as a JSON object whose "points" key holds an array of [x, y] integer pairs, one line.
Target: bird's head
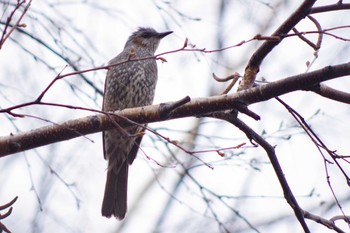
{"points": [[146, 38]]}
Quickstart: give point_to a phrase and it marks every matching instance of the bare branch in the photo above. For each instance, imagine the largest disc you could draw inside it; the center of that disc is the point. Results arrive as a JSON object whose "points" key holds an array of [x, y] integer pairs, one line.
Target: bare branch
{"points": [[316, 46], [333, 7], [196, 107], [320, 146], [327, 223], [62, 57], [167, 109], [17, 24], [324, 31], [317, 141], [7, 205], [256, 59], [288, 194], [332, 93], [2, 216], [234, 77]]}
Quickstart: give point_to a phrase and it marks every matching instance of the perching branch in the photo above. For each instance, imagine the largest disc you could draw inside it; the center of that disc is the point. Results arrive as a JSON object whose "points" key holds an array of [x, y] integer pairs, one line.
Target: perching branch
{"points": [[196, 107]]}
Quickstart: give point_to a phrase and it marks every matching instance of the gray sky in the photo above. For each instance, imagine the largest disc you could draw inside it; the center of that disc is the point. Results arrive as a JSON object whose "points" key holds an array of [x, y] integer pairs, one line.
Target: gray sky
{"points": [[89, 35]]}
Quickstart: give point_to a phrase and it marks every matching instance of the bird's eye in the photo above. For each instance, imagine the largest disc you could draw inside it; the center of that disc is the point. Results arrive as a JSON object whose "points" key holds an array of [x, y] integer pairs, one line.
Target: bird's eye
{"points": [[147, 34]]}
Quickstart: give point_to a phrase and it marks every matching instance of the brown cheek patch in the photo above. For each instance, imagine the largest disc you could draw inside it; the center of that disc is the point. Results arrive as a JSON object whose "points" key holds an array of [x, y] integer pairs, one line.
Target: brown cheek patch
{"points": [[139, 41], [132, 53]]}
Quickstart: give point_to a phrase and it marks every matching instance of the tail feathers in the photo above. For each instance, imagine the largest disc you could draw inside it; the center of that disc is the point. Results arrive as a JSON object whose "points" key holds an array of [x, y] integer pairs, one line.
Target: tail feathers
{"points": [[115, 197]]}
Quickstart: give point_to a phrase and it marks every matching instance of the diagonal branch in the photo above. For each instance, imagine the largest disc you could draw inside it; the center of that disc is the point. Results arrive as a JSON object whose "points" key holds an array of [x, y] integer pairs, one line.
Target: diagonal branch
{"points": [[257, 58], [5, 36], [270, 150]]}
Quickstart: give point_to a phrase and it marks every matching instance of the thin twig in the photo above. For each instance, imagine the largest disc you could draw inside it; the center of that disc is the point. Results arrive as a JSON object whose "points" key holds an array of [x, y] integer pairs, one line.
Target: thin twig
{"points": [[288, 194], [16, 25], [327, 223], [234, 77], [2, 216], [319, 145], [329, 8]]}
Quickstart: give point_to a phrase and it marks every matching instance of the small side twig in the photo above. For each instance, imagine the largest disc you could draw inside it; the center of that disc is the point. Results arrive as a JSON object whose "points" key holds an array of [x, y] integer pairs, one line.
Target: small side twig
{"points": [[234, 77], [316, 46], [2, 216], [228, 78], [319, 27], [327, 223], [243, 108], [166, 109], [7, 205]]}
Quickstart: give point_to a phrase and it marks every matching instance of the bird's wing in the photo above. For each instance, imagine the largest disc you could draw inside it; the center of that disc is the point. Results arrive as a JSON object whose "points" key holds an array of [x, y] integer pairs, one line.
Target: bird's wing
{"points": [[136, 145]]}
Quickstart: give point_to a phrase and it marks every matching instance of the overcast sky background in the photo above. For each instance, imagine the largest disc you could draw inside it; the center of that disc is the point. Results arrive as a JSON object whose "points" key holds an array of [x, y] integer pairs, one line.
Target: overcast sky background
{"points": [[90, 35]]}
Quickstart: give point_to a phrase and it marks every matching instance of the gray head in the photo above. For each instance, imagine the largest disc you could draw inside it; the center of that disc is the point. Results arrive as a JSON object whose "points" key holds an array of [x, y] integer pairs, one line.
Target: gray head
{"points": [[146, 38]]}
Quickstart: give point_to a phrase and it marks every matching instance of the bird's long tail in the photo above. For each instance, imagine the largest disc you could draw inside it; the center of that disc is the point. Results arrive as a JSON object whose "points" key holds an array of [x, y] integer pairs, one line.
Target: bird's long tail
{"points": [[115, 197]]}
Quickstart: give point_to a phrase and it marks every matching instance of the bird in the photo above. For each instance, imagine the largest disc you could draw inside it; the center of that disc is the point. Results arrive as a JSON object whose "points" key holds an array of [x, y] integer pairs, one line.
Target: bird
{"points": [[130, 83]]}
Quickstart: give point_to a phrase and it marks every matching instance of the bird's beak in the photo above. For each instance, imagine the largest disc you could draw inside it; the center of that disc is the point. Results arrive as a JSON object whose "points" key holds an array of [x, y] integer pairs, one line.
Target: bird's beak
{"points": [[164, 34]]}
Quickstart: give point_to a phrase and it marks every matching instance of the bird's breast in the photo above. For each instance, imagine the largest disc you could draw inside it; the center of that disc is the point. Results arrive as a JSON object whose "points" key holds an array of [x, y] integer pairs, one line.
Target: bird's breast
{"points": [[130, 84]]}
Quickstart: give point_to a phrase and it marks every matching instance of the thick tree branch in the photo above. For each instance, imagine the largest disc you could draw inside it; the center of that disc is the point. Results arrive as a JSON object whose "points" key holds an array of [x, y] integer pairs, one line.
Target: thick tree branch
{"points": [[196, 107]]}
